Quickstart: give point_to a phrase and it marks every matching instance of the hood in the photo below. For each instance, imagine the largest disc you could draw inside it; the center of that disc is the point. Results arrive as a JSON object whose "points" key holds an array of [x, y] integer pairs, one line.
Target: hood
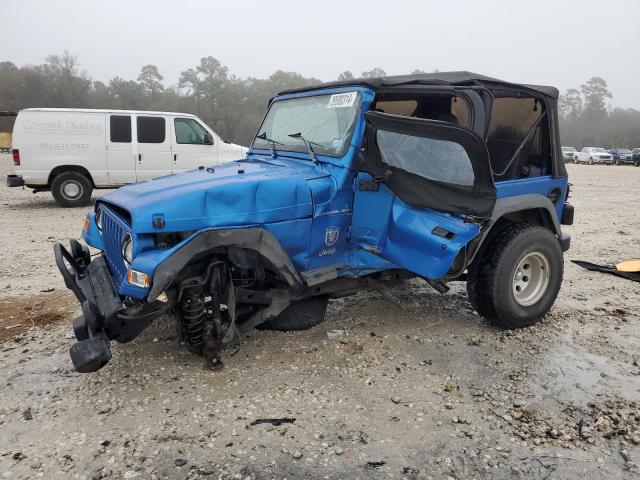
{"points": [[245, 192]]}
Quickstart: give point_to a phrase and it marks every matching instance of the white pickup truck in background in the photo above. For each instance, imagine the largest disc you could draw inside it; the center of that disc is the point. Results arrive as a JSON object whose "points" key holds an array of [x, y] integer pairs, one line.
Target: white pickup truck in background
{"points": [[70, 152], [593, 155]]}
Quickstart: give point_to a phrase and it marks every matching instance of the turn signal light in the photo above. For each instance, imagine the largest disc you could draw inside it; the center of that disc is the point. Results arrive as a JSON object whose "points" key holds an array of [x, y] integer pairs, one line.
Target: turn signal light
{"points": [[16, 157], [137, 278]]}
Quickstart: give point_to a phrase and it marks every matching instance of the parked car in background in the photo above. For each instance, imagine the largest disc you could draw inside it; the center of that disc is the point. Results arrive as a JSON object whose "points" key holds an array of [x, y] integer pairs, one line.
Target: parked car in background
{"points": [[635, 155], [593, 155], [621, 156], [70, 152], [569, 154]]}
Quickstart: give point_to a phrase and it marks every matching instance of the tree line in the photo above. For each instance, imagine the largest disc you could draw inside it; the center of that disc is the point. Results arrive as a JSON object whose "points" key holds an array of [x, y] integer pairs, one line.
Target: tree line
{"points": [[585, 120], [234, 106]]}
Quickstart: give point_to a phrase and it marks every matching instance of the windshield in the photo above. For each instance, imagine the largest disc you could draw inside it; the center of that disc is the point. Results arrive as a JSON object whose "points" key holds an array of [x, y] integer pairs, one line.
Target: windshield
{"points": [[325, 121], [624, 150], [600, 150], [568, 149]]}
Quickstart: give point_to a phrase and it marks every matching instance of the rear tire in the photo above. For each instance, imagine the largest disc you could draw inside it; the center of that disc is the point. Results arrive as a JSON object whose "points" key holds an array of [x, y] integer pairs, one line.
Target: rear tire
{"points": [[71, 189], [301, 315], [517, 277]]}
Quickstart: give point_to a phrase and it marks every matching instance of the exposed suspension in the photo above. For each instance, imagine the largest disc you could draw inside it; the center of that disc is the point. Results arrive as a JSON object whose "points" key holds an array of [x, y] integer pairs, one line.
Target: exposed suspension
{"points": [[201, 322], [192, 308]]}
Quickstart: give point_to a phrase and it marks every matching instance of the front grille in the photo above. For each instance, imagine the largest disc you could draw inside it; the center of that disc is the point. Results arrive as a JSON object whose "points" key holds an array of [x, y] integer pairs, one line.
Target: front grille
{"points": [[113, 229]]}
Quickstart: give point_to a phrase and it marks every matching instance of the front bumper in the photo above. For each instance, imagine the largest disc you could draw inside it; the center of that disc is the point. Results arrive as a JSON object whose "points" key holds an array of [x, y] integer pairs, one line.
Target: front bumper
{"points": [[105, 315], [15, 181]]}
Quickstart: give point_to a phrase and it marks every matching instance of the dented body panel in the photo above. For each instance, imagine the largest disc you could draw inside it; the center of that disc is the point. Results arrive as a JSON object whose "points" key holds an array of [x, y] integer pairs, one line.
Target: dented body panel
{"points": [[297, 219]]}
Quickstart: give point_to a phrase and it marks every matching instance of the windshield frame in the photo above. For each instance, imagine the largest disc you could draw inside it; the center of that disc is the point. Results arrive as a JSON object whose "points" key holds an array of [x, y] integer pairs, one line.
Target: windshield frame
{"points": [[301, 149]]}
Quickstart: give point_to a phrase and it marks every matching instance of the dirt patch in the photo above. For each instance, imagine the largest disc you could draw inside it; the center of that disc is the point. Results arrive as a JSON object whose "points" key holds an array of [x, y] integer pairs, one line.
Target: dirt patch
{"points": [[19, 314]]}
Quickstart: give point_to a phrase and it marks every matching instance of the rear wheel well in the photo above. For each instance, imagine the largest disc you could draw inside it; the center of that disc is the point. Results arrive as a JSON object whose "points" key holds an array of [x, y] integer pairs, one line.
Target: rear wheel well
{"points": [[69, 168], [530, 216]]}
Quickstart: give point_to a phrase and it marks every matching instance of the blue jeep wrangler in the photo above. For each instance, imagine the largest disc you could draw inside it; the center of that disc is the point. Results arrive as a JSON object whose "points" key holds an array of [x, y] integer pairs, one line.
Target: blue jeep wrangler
{"points": [[347, 186]]}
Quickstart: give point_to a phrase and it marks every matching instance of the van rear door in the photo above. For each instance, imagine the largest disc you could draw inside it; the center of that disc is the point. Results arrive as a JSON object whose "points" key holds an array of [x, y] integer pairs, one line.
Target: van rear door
{"points": [[121, 163], [153, 148]]}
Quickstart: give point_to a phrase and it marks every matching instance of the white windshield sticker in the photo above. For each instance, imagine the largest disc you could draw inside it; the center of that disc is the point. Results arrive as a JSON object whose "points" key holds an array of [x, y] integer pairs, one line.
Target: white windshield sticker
{"points": [[341, 100]]}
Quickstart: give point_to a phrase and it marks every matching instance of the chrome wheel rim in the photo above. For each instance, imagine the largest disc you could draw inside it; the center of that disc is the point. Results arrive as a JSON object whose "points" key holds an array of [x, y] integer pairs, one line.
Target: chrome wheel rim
{"points": [[71, 190], [531, 278]]}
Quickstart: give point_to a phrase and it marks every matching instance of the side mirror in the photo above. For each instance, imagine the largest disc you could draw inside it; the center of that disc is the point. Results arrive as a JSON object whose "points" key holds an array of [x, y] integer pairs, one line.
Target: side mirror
{"points": [[208, 139]]}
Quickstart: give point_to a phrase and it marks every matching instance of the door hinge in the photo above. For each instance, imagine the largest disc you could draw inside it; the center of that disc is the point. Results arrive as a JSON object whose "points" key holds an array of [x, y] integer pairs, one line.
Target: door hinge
{"points": [[373, 185]]}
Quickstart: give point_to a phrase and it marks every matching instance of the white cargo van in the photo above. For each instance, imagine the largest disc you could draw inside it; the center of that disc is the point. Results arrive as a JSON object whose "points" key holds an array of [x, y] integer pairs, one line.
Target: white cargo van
{"points": [[70, 152]]}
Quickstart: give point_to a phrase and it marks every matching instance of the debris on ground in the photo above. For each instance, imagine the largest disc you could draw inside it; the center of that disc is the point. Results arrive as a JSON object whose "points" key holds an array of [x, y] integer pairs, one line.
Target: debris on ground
{"points": [[276, 422]]}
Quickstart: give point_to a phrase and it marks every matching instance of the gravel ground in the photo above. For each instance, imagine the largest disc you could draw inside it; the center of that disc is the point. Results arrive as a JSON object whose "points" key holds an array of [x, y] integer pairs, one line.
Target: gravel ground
{"points": [[426, 390]]}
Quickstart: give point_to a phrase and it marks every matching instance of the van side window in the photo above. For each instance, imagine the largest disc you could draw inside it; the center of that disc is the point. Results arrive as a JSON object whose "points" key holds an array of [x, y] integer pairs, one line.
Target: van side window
{"points": [[120, 128], [151, 129], [189, 131]]}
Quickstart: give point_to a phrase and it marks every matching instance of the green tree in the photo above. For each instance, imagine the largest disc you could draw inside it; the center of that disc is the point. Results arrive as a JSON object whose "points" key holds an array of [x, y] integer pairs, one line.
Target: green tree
{"points": [[127, 94], [206, 83], [346, 75], [570, 103], [595, 93], [151, 80], [374, 72], [68, 86]]}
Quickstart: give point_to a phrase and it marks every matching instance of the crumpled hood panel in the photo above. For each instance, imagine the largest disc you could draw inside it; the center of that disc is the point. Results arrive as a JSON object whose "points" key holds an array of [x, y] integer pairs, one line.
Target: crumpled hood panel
{"points": [[262, 193]]}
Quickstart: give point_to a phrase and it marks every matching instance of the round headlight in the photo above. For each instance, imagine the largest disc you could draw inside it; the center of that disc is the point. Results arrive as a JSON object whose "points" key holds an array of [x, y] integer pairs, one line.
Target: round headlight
{"points": [[127, 249], [99, 219]]}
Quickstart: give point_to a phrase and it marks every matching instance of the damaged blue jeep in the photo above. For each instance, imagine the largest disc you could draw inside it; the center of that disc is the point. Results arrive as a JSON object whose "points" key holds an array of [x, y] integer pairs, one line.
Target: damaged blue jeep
{"points": [[347, 186]]}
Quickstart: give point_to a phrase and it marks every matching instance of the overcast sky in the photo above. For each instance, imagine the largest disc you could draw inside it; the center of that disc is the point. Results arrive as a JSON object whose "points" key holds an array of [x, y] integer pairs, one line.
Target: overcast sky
{"points": [[555, 42]]}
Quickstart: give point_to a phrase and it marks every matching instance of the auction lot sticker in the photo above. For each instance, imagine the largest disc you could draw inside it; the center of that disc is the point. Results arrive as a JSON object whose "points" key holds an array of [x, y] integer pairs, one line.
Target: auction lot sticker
{"points": [[341, 100]]}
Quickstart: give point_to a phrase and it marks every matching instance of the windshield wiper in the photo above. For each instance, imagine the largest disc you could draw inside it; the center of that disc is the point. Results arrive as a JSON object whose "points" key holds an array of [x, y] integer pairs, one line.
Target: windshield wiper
{"points": [[263, 136], [312, 154]]}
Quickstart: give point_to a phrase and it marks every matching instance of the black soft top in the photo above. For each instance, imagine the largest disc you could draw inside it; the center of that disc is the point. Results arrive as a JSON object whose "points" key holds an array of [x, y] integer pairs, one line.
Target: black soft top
{"points": [[438, 78]]}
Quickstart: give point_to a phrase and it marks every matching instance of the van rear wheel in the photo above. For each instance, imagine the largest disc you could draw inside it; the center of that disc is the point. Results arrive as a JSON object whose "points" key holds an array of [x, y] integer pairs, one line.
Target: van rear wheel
{"points": [[71, 189]]}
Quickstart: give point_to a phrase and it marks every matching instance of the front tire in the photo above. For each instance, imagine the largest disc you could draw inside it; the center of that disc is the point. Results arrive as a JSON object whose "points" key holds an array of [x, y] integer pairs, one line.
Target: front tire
{"points": [[301, 315], [71, 189], [517, 277]]}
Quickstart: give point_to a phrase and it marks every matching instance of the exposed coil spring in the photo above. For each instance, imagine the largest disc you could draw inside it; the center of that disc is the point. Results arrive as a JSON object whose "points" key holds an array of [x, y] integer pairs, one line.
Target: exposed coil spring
{"points": [[193, 314]]}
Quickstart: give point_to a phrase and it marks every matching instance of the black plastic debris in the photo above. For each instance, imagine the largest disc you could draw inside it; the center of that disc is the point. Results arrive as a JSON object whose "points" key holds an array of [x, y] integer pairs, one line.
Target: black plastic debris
{"points": [[27, 415], [276, 422], [611, 269], [180, 462]]}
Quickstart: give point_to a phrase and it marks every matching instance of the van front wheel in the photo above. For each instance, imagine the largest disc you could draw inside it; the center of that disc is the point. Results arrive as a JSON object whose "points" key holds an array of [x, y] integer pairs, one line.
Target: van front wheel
{"points": [[71, 189]]}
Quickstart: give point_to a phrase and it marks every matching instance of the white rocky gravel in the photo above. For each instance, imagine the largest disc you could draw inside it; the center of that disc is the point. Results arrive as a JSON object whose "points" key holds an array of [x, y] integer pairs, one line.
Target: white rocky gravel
{"points": [[425, 391]]}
